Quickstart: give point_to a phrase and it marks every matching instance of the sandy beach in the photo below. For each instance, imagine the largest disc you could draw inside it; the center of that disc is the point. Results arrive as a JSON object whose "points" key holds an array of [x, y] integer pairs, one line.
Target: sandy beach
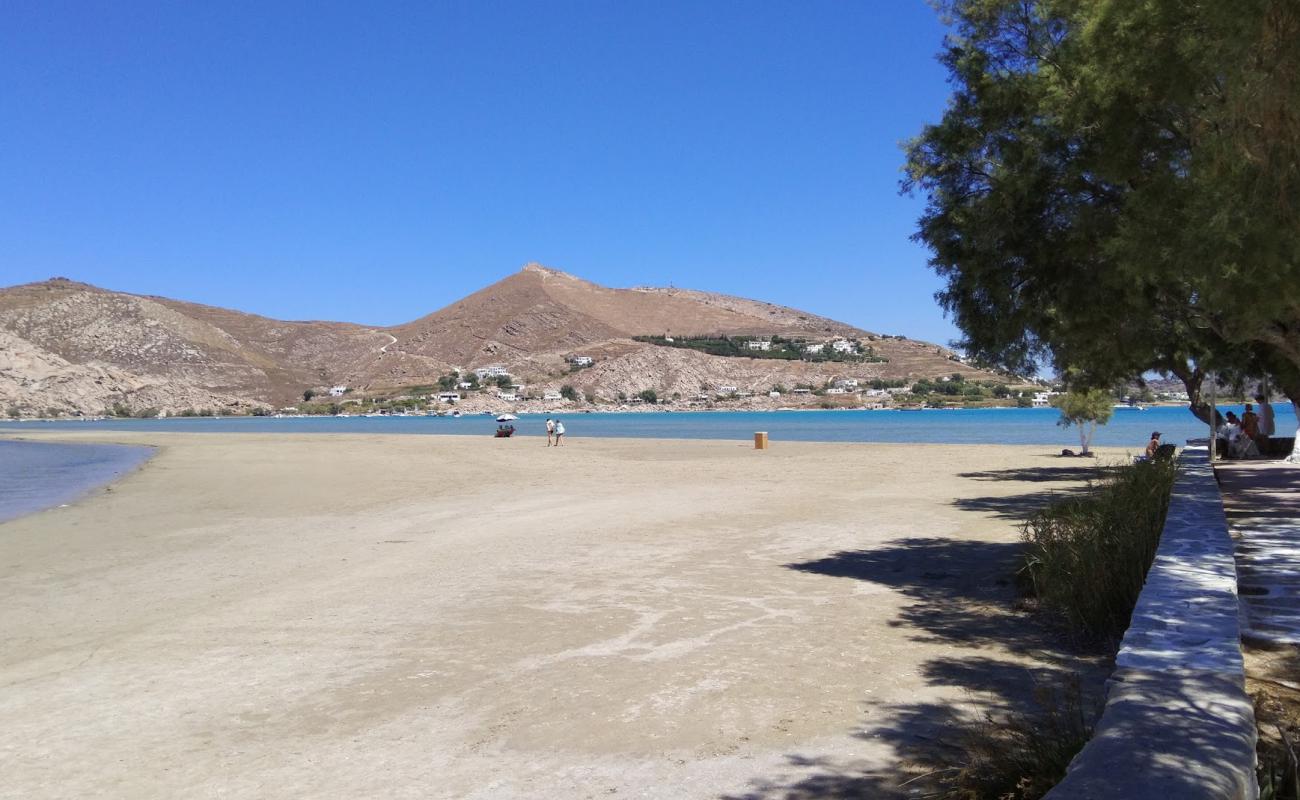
{"points": [[455, 617]]}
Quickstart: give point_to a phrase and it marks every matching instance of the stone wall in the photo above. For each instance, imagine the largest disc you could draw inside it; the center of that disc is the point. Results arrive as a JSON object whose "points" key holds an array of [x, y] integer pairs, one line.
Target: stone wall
{"points": [[1177, 721]]}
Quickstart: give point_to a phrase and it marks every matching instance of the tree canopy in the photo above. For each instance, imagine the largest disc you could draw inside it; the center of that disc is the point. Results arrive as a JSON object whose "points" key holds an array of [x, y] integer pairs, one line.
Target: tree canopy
{"points": [[1114, 187], [1087, 410]]}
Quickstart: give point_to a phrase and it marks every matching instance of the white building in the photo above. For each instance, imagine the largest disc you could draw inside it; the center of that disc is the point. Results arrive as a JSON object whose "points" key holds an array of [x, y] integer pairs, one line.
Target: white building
{"points": [[464, 385], [835, 390], [1042, 399], [506, 396], [581, 361], [843, 346], [814, 348], [449, 397], [726, 390], [758, 344], [847, 383], [338, 391], [552, 396], [801, 391], [773, 393], [492, 372]]}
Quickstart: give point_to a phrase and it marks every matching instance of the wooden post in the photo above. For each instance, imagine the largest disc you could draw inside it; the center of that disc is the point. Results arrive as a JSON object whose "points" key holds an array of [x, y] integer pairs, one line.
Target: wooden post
{"points": [[760, 440]]}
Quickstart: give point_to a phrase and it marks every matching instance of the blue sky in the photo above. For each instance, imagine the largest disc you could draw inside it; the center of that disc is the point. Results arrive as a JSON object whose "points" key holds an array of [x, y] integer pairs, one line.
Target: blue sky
{"points": [[374, 162]]}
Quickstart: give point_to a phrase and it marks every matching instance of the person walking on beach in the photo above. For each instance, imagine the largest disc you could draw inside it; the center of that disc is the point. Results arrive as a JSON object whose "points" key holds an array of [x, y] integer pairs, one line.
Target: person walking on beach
{"points": [[559, 433], [550, 431]]}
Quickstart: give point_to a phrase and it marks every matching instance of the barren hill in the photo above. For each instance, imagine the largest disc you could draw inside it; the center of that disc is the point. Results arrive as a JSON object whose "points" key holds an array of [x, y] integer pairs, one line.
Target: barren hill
{"points": [[74, 348], [540, 310]]}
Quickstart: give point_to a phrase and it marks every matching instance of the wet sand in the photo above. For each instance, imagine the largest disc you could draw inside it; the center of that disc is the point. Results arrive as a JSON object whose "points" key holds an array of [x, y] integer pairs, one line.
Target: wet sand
{"points": [[447, 617]]}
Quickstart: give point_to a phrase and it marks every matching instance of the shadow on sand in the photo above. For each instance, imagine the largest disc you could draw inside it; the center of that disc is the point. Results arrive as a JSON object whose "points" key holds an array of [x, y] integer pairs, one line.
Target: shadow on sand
{"points": [[962, 596], [1021, 506]]}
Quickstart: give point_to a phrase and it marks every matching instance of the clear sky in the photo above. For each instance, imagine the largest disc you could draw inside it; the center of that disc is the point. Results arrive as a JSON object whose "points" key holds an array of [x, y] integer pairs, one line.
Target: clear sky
{"points": [[372, 162]]}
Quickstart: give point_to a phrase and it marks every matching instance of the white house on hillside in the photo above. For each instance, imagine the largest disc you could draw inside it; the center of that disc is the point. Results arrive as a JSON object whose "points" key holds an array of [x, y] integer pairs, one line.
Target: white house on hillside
{"points": [[552, 396], [338, 391], [814, 348], [581, 361], [843, 346], [758, 344], [449, 397]]}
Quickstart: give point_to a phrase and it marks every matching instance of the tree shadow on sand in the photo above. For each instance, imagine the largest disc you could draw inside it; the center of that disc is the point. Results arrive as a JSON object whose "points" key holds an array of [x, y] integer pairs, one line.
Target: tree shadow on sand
{"points": [[961, 596], [1020, 506]]}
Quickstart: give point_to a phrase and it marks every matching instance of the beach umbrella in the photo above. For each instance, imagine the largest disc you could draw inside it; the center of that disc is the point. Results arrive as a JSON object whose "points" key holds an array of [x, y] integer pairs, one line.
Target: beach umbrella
{"points": [[506, 418]]}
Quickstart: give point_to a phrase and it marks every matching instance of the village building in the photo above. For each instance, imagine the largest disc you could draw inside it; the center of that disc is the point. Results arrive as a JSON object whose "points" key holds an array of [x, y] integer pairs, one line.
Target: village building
{"points": [[581, 361], [449, 397], [758, 344], [338, 391]]}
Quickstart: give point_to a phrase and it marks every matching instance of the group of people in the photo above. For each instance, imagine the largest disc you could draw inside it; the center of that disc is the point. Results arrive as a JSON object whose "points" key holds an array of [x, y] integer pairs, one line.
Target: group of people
{"points": [[554, 432], [1244, 436], [1247, 434]]}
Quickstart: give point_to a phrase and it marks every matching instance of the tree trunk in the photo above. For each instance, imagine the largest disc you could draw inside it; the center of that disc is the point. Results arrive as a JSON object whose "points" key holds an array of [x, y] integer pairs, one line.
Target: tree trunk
{"points": [[1192, 380]]}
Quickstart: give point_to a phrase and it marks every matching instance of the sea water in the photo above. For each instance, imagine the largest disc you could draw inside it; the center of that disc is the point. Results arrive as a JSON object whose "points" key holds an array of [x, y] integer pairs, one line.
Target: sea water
{"points": [[37, 475], [1128, 427]]}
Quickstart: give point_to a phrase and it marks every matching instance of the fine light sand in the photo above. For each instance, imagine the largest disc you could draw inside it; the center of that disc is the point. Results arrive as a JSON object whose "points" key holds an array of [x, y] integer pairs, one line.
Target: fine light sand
{"points": [[453, 617]]}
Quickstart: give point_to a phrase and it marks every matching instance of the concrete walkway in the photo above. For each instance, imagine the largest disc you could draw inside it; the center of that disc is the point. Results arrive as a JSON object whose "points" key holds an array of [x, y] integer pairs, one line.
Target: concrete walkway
{"points": [[1262, 501]]}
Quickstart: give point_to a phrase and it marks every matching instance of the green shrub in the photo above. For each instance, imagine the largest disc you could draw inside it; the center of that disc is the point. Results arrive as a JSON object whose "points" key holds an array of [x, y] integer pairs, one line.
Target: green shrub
{"points": [[1087, 557], [568, 392]]}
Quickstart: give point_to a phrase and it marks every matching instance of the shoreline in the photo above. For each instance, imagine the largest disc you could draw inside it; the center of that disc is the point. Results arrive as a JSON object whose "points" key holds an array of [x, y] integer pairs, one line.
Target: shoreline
{"points": [[667, 409], [47, 472]]}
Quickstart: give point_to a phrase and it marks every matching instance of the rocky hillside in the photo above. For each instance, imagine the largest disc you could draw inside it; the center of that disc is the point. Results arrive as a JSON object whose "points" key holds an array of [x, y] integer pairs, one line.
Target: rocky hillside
{"points": [[69, 347]]}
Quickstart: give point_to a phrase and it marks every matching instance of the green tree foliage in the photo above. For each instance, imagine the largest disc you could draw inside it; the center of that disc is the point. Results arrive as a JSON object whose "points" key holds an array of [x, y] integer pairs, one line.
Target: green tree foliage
{"points": [[568, 392], [1085, 409], [308, 395], [449, 381], [1114, 187], [648, 395]]}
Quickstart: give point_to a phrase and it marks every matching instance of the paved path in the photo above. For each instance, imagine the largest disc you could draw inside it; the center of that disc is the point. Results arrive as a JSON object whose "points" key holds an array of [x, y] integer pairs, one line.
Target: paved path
{"points": [[1262, 500]]}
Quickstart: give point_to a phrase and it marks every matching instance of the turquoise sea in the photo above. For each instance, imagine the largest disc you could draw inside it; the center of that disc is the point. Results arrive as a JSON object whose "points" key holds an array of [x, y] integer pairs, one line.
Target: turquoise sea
{"points": [[1036, 426]]}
